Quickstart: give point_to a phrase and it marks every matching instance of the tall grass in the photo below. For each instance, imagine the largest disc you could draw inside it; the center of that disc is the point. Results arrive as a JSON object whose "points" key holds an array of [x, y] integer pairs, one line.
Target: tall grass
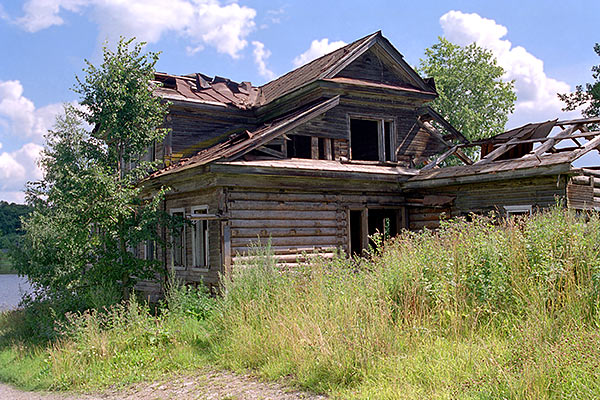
{"points": [[477, 309], [480, 309]]}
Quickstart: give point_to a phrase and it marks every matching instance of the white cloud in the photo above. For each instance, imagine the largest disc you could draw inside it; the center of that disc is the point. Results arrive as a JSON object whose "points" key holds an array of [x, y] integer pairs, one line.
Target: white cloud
{"points": [[3, 14], [260, 58], [21, 117], [202, 22], [41, 14], [274, 16], [16, 169], [317, 49], [536, 92]]}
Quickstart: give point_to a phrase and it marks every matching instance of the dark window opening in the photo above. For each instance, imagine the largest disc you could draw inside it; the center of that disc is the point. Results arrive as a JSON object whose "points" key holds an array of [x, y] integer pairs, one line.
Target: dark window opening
{"points": [[383, 221], [178, 241], [364, 139], [299, 147], [356, 232]]}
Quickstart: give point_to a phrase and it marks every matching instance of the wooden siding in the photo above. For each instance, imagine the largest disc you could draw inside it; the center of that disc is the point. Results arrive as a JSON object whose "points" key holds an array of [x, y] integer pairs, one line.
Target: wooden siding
{"points": [[583, 191], [188, 273], [295, 223], [194, 129], [483, 198], [370, 67], [411, 141]]}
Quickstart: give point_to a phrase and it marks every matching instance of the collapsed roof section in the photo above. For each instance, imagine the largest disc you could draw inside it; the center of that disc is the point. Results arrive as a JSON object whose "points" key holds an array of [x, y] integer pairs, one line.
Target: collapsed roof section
{"points": [[551, 145], [219, 91], [240, 144]]}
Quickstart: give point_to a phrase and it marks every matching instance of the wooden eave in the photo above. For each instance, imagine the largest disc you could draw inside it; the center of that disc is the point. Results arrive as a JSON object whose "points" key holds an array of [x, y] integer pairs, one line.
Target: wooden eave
{"points": [[367, 88], [483, 177], [314, 169]]}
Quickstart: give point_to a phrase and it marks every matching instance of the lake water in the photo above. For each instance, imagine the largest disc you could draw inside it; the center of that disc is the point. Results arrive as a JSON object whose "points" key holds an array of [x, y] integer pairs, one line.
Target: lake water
{"points": [[11, 289]]}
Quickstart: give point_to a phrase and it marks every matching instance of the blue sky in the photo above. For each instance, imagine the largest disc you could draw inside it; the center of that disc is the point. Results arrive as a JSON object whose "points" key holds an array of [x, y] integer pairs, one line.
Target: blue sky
{"points": [[545, 46]]}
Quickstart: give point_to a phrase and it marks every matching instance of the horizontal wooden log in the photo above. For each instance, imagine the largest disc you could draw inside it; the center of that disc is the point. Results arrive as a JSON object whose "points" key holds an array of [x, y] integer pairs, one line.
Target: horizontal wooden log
{"points": [[277, 196], [281, 205], [248, 214], [288, 241], [282, 232], [425, 224], [285, 223], [290, 257], [291, 249], [581, 180], [592, 172], [426, 217]]}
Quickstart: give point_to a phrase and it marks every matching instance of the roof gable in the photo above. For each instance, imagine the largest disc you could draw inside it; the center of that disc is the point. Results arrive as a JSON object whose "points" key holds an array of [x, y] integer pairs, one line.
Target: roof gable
{"points": [[346, 58]]}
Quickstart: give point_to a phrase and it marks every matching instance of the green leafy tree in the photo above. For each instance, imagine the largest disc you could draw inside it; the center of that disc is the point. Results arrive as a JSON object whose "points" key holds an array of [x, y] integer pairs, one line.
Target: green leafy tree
{"points": [[87, 211], [472, 95], [588, 95]]}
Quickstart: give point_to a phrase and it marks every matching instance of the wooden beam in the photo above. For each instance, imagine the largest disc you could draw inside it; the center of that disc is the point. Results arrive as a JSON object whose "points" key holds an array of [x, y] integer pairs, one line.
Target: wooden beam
{"points": [[314, 148], [589, 146], [432, 130], [364, 229], [548, 144], [498, 152], [271, 152], [586, 134], [440, 159], [328, 151]]}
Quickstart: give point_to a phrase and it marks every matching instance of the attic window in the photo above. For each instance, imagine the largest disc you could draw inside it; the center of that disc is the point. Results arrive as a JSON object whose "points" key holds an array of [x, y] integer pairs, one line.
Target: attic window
{"points": [[372, 140], [299, 147]]}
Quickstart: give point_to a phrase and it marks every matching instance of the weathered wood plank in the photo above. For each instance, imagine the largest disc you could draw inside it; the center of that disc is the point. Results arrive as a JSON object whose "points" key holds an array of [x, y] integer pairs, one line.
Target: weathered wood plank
{"points": [[237, 242], [282, 232], [281, 205], [283, 223], [250, 214]]}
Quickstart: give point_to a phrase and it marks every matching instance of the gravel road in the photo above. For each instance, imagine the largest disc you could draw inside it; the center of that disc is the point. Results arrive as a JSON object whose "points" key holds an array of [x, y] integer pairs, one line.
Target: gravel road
{"points": [[208, 385]]}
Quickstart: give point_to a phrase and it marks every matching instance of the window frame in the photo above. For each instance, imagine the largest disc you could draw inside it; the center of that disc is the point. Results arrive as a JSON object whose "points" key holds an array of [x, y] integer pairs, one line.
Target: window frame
{"points": [[518, 209], [153, 253], [173, 211], [381, 120], [206, 240]]}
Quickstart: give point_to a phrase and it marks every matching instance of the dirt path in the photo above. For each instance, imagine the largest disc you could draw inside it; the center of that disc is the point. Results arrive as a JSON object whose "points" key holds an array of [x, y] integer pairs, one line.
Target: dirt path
{"points": [[206, 386]]}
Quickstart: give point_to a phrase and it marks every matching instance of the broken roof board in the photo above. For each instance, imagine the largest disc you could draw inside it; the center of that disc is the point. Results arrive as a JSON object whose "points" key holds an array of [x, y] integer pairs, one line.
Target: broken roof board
{"points": [[244, 96], [237, 146]]}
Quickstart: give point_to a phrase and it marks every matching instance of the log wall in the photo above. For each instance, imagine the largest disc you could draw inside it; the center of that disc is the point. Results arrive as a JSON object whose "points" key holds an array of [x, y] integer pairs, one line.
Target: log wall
{"points": [[583, 191], [542, 192], [295, 223], [411, 141], [369, 67]]}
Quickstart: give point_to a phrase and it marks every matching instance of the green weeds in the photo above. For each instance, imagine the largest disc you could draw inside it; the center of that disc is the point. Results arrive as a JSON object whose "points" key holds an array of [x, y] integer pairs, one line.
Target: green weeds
{"points": [[481, 309]]}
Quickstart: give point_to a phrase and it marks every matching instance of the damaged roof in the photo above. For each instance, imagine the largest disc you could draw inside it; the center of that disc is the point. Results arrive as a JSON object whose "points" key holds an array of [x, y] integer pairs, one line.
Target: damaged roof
{"points": [[220, 91], [239, 144], [547, 153]]}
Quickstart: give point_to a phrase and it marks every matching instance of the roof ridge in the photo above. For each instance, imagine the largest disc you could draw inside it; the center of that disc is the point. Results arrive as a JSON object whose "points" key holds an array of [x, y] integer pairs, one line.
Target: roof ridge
{"points": [[321, 57]]}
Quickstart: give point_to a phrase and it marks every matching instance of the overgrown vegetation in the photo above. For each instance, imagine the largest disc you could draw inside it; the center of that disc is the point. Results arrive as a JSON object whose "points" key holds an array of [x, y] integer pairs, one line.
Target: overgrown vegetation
{"points": [[480, 309], [88, 213], [10, 232]]}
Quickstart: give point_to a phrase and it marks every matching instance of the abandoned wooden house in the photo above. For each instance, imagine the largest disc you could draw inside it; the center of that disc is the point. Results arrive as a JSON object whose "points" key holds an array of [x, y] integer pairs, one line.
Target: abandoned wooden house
{"points": [[322, 157]]}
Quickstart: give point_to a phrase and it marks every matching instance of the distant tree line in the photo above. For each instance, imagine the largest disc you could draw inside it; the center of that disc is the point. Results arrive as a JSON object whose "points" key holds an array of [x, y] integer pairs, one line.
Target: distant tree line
{"points": [[10, 222]]}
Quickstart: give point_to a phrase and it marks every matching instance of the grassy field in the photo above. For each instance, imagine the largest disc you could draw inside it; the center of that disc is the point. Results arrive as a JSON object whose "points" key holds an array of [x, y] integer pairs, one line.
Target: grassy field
{"points": [[476, 310]]}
